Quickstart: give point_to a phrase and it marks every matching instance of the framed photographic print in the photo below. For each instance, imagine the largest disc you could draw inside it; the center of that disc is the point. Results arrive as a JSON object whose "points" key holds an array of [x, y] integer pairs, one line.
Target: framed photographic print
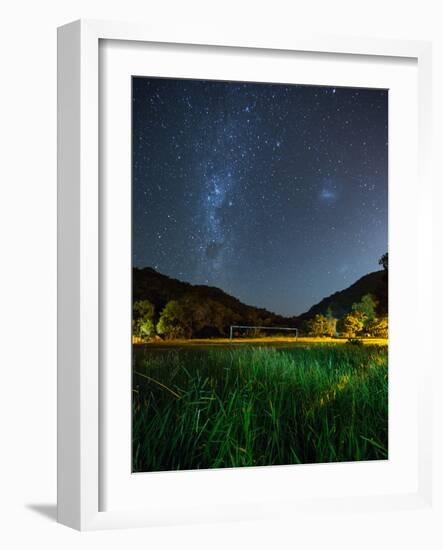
{"points": [[253, 205], [235, 222]]}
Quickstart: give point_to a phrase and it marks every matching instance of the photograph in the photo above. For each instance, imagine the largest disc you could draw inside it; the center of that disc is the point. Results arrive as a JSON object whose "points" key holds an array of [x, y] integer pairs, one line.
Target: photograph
{"points": [[259, 274]]}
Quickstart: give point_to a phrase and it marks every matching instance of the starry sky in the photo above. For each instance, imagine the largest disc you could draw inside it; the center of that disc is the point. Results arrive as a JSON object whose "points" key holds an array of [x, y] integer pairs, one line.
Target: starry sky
{"points": [[275, 193]]}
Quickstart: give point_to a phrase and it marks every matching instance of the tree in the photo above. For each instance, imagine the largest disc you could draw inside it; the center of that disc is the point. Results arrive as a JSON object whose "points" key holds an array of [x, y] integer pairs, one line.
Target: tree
{"points": [[318, 326], [173, 322], [367, 307], [382, 291], [384, 261], [143, 319], [221, 318], [378, 328], [144, 328], [332, 322], [351, 324], [143, 308], [195, 314]]}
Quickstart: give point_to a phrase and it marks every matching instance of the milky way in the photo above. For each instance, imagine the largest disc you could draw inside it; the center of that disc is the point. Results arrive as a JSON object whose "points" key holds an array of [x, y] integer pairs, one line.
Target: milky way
{"points": [[275, 193]]}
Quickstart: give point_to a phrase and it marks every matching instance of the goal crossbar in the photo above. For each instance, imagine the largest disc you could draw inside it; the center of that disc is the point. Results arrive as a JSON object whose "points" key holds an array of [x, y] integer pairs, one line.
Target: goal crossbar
{"points": [[232, 327]]}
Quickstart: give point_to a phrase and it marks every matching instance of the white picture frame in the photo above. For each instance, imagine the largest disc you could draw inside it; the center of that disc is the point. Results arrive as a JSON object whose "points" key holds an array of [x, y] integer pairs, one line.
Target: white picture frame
{"points": [[80, 444]]}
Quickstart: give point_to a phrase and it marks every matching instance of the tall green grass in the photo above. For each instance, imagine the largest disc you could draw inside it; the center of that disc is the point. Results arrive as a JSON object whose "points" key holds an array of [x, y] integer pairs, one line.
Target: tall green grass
{"points": [[219, 408]]}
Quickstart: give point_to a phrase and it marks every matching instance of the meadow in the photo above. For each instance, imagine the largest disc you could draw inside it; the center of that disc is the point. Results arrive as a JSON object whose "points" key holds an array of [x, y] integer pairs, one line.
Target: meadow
{"points": [[197, 406]]}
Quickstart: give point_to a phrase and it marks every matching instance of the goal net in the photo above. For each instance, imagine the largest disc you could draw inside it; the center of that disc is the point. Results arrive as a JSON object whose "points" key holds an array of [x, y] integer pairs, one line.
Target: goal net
{"points": [[247, 331]]}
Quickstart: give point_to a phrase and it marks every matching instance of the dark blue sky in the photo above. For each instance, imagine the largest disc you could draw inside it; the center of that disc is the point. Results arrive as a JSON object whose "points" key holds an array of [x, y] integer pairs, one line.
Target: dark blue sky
{"points": [[278, 194]]}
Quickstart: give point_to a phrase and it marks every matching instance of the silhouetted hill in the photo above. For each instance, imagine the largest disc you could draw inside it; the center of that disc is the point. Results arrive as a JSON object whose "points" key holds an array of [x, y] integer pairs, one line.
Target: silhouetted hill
{"points": [[341, 302], [159, 289]]}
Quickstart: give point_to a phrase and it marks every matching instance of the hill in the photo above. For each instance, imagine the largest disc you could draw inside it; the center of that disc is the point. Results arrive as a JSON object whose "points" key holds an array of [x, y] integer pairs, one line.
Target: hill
{"points": [[341, 302], [225, 310], [159, 289]]}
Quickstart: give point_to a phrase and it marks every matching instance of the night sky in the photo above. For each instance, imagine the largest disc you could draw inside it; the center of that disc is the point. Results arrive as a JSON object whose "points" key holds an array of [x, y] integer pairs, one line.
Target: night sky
{"points": [[277, 194]]}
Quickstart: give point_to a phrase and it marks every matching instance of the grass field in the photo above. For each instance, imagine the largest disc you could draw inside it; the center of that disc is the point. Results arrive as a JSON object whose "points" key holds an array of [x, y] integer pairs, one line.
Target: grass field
{"points": [[199, 406], [260, 342]]}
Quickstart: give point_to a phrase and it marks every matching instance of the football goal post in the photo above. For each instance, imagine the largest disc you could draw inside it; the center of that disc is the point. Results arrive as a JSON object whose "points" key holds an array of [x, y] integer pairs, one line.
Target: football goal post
{"points": [[236, 328]]}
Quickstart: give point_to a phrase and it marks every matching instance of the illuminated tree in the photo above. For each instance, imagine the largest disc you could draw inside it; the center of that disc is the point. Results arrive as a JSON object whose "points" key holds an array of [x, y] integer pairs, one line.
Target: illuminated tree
{"points": [[319, 326], [367, 307], [173, 322], [332, 323], [143, 319], [351, 324], [378, 328]]}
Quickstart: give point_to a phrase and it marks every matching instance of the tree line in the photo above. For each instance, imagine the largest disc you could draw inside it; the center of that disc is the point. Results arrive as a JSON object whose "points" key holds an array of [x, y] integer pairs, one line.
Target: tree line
{"points": [[368, 317], [190, 316], [362, 320]]}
